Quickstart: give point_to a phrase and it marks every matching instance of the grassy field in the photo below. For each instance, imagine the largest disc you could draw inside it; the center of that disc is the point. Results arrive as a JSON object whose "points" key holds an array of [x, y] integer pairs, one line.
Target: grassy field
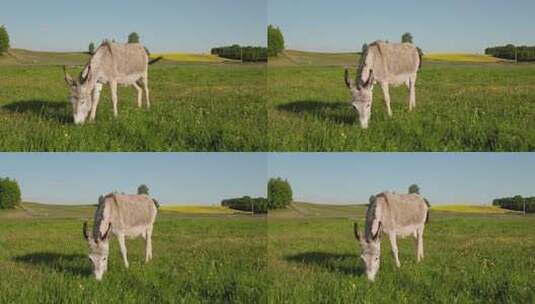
{"points": [[470, 258], [196, 107], [460, 107], [197, 259]]}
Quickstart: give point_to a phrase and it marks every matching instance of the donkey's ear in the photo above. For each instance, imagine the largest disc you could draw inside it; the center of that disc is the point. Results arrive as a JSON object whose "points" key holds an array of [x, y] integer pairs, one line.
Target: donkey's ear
{"points": [[356, 231], [84, 231], [349, 82], [105, 235], [369, 83], [378, 232], [85, 73], [68, 78]]}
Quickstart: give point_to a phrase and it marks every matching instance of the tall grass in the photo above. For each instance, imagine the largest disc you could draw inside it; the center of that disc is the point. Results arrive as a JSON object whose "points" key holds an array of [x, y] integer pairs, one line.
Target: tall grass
{"points": [[459, 107], [195, 260], [194, 108], [468, 259]]}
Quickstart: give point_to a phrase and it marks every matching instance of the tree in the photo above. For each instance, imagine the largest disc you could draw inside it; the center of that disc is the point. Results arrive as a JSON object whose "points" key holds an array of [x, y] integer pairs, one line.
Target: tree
{"points": [[4, 40], [91, 48], [10, 196], [143, 189], [518, 202], [414, 189], [279, 193], [275, 41], [133, 38], [407, 37]]}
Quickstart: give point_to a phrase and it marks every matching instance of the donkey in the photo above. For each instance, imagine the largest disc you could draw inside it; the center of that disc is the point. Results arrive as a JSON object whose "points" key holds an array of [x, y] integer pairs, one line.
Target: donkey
{"points": [[114, 64], [388, 64], [396, 215], [125, 216]]}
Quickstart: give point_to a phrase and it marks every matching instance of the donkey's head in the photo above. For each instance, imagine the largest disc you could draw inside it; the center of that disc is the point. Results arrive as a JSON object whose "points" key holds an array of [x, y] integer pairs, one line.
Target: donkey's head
{"points": [[99, 249], [371, 250], [361, 97], [80, 95]]}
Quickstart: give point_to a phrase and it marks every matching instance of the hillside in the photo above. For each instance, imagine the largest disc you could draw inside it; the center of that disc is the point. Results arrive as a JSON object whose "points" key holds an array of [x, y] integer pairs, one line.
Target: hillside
{"points": [[301, 58], [49, 211], [305, 210], [311, 210], [21, 57], [27, 57]]}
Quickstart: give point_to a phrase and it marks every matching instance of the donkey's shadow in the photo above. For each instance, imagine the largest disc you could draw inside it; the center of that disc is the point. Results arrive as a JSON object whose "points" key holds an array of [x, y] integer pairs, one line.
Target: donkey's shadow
{"points": [[335, 262], [58, 262], [58, 111], [339, 112]]}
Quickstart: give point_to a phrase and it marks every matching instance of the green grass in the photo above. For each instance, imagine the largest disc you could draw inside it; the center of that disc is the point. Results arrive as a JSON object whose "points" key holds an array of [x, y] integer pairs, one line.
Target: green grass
{"points": [[195, 107], [459, 107], [206, 259], [469, 258], [304, 254]]}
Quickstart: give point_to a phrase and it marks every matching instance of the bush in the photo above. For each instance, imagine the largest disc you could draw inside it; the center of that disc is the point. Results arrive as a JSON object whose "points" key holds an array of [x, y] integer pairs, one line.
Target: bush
{"points": [[91, 48], [406, 38], [516, 203], [4, 40], [279, 193], [143, 189], [10, 196], [275, 41], [245, 54], [133, 38], [511, 52], [246, 203], [414, 189]]}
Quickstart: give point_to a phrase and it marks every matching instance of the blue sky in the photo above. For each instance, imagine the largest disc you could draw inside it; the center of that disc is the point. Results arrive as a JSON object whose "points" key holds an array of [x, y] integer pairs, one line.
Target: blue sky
{"points": [[444, 178], [437, 26], [164, 25], [173, 178]]}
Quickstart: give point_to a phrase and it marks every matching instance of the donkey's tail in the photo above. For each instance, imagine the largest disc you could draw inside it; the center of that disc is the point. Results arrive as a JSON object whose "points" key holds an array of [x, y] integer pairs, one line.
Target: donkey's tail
{"points": [[420, 53], [156, 203], [155, 60], [428, 207]]}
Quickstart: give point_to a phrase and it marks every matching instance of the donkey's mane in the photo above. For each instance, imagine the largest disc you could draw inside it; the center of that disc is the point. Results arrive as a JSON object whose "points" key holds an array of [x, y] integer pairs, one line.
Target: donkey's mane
{"points": [[99, 214], [362, 61]]}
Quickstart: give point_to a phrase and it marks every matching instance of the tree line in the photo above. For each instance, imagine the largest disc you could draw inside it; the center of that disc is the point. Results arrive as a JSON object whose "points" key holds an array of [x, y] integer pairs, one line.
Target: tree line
{"points": [[242, 53], [246, 203], [511, 52], [280, 195], [516, 203]]}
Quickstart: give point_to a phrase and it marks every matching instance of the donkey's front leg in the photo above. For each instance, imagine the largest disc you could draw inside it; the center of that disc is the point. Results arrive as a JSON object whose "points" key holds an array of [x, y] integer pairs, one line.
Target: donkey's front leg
{"points": [[394, 245], [95, 100], [122, 245], [386, 93]]}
